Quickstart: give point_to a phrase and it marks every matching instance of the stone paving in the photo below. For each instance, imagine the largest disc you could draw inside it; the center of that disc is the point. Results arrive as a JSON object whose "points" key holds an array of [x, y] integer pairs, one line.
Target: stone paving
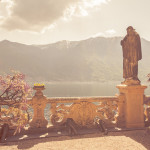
{"points": [[120, 140]]}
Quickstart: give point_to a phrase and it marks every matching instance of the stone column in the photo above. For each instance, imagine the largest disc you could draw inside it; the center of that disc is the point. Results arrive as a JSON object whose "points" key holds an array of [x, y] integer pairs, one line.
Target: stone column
{"points": [[38, 103], [133, 109]]}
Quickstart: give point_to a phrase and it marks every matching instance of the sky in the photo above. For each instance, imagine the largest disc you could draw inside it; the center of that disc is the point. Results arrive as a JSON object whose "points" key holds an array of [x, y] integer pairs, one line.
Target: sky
{"points": [[49, 21]]}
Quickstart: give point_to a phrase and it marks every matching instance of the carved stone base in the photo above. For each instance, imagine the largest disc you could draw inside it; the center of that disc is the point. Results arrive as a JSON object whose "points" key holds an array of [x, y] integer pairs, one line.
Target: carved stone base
{"points": [[131, 81], [133, 105]]}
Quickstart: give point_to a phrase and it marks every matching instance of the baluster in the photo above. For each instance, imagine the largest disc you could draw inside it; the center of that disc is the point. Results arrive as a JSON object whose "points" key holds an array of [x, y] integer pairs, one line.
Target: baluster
{"points": [[53, 113], [53, 108]]}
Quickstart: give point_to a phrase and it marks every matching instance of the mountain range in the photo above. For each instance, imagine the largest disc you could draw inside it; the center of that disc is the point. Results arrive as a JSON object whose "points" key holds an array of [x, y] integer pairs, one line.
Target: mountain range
{"points": [[92, 60]]}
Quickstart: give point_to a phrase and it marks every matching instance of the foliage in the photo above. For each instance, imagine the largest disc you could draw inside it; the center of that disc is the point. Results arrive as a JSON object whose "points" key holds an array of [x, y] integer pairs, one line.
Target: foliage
{"points": [[13, 100]]}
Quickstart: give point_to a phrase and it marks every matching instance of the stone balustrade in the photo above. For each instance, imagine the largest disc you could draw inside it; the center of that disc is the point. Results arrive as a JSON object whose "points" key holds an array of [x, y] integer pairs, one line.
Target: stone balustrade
{"points": [[123, 110], [83, 110], [129, 109]]}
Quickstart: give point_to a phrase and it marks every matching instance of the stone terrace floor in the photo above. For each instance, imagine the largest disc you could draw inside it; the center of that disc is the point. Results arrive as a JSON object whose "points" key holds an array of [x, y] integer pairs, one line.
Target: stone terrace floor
{"points": [[122, 140]]}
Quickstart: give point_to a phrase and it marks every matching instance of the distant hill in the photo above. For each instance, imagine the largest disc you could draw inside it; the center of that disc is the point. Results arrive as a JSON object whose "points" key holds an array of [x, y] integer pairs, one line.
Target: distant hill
{"points": [[94, 59]]}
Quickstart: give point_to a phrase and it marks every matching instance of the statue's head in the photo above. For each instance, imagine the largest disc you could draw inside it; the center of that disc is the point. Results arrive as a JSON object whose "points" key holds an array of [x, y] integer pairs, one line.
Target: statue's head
{"points": [[130, 30]]}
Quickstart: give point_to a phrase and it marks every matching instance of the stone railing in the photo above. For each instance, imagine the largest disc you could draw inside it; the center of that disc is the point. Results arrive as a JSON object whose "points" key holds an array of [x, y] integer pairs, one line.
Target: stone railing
{"points": [[83, 110], [123, 110]]}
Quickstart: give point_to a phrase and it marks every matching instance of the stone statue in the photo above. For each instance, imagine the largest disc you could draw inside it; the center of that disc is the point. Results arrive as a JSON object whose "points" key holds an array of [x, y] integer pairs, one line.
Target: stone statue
{"points": [[131, 46]]}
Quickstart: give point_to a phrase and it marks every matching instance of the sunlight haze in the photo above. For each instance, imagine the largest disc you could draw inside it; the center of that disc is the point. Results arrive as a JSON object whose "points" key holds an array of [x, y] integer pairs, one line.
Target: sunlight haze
{"points": [[48, 21]]}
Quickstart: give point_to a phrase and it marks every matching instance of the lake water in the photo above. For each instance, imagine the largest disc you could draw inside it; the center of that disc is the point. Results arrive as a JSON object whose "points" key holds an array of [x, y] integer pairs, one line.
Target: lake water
{"points": [[80, 89]]}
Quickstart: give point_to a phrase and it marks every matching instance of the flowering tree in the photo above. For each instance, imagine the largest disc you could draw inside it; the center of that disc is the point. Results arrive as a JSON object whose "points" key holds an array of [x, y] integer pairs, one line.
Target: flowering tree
{"points": [[13, 100]]}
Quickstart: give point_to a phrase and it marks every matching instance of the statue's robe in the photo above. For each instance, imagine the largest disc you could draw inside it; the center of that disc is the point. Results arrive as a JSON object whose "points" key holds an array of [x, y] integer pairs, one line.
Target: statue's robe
{"points": [[131, 46]]}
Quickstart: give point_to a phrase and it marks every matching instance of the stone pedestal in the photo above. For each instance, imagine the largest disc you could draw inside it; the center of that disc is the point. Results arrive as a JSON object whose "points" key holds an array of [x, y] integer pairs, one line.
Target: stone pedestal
{"points": [[133, 109], [38, 103]]}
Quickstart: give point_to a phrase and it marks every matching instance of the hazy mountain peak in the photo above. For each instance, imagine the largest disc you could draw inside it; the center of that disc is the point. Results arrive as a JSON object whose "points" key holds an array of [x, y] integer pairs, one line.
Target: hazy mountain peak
{"points": [[5, 41], [10, 43], [67, 43], [93, 59], [62, 44]]}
